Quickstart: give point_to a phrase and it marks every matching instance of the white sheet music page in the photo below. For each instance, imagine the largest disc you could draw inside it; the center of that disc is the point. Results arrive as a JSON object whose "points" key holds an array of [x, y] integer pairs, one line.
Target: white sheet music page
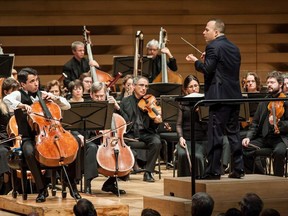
{"points": [[195, 95]]}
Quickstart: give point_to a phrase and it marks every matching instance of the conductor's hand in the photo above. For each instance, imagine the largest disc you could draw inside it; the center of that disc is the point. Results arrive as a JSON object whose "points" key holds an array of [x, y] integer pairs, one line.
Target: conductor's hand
{"points": [[158, 119], [182, 142], [245, 142], [191, 58]]}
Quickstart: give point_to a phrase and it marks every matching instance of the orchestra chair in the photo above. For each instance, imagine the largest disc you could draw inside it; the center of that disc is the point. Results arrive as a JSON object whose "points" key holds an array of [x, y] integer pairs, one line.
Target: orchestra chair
{"points": [[266, 154], [20, 169], [141, 145]]}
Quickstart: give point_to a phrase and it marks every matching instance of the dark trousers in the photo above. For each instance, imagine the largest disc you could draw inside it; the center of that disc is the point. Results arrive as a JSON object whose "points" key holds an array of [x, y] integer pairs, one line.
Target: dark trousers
{"points": [[279, 151], [90, 162], [223, 118], [153, 141]]}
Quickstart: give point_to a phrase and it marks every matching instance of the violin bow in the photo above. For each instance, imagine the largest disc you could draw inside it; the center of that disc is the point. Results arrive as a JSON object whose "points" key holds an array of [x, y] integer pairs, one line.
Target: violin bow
{"points": [[192, 45]]}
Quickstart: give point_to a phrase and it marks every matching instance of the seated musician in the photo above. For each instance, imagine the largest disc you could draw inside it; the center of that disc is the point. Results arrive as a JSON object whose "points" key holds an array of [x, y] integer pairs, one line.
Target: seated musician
{"points": [[98, 93], [9, 85], [153, 51], [23, 99], [251, 83], [76, 89], [127, 87], [143, 127], [86, 79], [264, 130], [190, 85], [285, 86]]}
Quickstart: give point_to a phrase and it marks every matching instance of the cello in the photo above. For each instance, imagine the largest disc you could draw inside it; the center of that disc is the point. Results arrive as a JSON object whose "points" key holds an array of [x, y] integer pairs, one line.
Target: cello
{"points": [[114, 157], [54, 145], [166, 76]]}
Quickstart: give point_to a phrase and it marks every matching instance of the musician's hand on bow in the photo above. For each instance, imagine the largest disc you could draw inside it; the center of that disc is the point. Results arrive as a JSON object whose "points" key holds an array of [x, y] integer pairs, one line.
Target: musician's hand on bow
{"points": [[158, 119], [94, 63], [25, 107], [81, 137], [191, 58], [182, 142], [245, 142], [111, 99]]}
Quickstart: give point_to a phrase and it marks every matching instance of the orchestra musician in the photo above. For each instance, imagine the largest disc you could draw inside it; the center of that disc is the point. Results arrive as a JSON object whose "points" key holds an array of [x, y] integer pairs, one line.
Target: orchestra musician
{"points": [[262, 132], [153, 51], [9, 85], [142, 127], [98, 93], [251, 82], [76, 89], [22, 100], [221, 68], [86, 79], [191, 85], [127, 87], [78, 64], [285, 85]]}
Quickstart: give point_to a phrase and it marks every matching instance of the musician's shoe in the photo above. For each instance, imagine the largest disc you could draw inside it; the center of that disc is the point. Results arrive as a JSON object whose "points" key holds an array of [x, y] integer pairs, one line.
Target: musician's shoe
{"points": [[112, 188], [211, 176], [236, 174], [148, 177], [74, 192], [42, 195], [88, 187]]}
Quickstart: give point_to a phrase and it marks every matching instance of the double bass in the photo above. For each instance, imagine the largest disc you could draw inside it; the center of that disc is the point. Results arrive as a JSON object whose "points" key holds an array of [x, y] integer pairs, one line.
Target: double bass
{"points": [[166, 76]]}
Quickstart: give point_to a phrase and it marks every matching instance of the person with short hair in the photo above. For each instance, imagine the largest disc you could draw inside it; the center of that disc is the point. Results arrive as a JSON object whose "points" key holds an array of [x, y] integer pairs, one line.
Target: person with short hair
{"points": [[202, 204], [84, 207], [150, 212], [251, 205]]}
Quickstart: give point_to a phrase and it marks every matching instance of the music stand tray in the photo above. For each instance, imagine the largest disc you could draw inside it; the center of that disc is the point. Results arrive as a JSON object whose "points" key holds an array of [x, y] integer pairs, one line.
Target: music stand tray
{"points": [[158, 89]]}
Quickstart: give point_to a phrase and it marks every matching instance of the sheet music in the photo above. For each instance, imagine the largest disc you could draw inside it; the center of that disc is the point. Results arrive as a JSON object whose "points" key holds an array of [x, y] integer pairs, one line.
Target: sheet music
{"points": [[194, 94]]}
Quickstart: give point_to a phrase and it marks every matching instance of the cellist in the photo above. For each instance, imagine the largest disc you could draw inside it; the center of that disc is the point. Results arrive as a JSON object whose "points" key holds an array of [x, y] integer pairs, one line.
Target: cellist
{"points": [[22, 100], [154, 51], [98, 93]]}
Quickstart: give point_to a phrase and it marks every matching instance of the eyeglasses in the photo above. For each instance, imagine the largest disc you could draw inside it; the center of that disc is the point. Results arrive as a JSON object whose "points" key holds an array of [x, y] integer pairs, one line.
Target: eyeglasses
{"points": [[143, 85], [193, 86]]}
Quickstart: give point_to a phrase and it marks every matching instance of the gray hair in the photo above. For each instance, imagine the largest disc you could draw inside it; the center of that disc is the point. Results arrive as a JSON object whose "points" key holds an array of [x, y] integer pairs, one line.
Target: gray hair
{"points": [[75, 44], [152, 43], [97, 86], [137, 78]]}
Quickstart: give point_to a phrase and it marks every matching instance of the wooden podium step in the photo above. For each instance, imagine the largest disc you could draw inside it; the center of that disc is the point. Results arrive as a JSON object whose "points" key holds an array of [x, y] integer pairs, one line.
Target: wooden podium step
{"points": [[168, 205], [226, 192]]}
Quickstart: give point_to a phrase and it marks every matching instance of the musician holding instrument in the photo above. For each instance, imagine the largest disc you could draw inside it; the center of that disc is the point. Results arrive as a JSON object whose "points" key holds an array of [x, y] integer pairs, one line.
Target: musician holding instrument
{"points": [[221, 69], [143, 127], [153, 51], [78, 64], [269, 128], [191, 85], [23, 99], [98, 92]]}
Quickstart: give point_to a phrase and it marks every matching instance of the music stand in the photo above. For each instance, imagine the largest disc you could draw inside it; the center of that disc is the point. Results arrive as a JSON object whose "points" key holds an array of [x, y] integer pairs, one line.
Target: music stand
{"points": [[125, 65], [169, 108], [158, 89], [88, 116], [6, 65]]}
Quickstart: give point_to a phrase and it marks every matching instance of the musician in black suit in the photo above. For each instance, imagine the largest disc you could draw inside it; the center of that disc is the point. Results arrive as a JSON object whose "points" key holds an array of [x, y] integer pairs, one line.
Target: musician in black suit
{"points": [[263, 133], [142, 127], [221, 74], [78, 64]]}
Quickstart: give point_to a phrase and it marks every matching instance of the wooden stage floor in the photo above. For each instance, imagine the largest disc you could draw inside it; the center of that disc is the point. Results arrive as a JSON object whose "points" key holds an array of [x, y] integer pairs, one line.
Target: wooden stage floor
{"points": [[136, 189]]}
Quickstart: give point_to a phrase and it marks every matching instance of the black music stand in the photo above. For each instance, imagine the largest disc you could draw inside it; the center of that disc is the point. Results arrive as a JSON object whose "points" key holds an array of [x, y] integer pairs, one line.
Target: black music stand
{"points": [[88, 116], [158, 89], [125, 65], [6, 65], [169, 108]]}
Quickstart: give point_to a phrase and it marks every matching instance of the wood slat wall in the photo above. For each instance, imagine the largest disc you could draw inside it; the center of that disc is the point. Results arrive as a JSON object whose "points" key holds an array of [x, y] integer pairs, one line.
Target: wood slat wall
{"points": [[40, 32]]}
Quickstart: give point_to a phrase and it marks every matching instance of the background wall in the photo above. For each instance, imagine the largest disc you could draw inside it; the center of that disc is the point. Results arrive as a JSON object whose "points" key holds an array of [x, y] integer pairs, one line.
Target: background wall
{"points": [[40, 32]]}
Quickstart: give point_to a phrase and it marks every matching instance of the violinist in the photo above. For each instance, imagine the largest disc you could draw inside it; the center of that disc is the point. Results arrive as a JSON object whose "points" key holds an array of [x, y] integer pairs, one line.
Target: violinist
{"points": [[98, 93], [263, 131], [127, 87], [78, 64], [9, 85], [142, 127], [22, 100], [153, 51]]}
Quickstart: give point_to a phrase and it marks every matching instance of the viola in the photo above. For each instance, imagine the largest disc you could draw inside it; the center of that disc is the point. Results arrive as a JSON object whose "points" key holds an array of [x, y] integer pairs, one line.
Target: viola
{"points": [[54, 145], [149, 104], [114, 157], [277, 110]]}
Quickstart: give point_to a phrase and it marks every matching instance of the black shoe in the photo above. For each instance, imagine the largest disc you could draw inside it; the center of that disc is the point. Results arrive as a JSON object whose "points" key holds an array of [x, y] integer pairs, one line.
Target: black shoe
{"points": [[236, 174], [112, 188], [88, 187], [137, 171], [42, 195], [148, 177], [211, 177], [74, 192]]}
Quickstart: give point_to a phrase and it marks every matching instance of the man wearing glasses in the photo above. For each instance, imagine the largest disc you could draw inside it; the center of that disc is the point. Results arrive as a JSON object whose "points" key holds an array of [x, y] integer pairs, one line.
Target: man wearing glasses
{"points": [[143, 127]]}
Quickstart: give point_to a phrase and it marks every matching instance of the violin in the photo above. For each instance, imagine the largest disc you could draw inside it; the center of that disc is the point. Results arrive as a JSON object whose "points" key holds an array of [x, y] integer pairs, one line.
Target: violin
{"points": [[277, 110], [54, 145], [114, 157], [148, 103]]}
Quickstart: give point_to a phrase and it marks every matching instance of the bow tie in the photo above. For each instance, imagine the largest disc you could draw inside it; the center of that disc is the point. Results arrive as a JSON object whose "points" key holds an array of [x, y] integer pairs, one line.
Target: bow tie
{"points": [[34, 95]]}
